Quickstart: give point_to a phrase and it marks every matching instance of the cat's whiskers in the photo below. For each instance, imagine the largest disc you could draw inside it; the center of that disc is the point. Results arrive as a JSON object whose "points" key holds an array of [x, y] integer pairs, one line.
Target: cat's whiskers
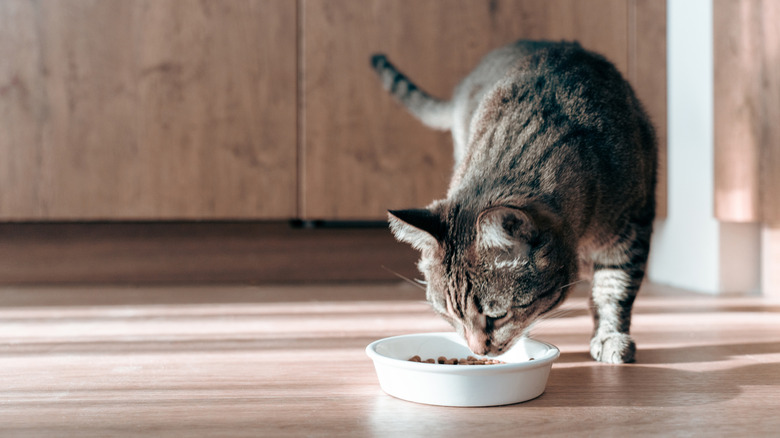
{"points": [[582, 280], [565, 285], [416, 283], [558, 313], [550, 318]]}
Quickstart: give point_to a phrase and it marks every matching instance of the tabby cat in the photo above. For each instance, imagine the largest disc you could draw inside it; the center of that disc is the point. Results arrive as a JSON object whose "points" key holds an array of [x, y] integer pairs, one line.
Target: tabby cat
{"points": [[555, 175]]}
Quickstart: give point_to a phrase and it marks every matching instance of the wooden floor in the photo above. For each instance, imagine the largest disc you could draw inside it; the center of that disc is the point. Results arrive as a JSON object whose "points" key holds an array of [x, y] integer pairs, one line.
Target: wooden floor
{"points": [[289, 361]]}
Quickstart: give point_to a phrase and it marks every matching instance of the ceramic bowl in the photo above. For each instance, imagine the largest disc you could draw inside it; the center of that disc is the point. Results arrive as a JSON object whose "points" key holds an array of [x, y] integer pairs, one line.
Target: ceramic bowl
{"points": [[521, 378]]}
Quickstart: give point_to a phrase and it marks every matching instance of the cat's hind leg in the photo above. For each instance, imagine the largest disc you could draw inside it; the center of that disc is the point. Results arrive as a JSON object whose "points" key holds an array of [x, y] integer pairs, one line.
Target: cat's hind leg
{"points": [[617, 276]]}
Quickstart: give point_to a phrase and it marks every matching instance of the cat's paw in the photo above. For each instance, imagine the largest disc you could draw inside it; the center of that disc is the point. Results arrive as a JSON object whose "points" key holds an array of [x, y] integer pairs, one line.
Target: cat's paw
{"points": [[613, 348]]}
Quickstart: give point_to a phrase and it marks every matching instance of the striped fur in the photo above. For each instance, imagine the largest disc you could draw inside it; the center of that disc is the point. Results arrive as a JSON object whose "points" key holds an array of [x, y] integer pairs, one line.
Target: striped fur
{"points": [[555, 167], [432, 112]]}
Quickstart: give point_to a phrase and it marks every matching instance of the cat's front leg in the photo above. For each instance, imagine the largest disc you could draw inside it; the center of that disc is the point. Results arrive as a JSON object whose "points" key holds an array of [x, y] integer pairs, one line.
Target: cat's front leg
{"points": [[611, 303], [617, 276]]}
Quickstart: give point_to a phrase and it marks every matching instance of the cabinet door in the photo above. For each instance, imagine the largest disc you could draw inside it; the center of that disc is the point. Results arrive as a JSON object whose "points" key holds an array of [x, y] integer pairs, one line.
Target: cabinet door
{"points": [[147, 109], [361, 152]]}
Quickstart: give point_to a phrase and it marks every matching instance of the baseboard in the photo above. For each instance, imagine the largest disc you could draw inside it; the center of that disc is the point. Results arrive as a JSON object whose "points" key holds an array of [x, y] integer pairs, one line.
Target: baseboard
{"points": [[187, 252]]}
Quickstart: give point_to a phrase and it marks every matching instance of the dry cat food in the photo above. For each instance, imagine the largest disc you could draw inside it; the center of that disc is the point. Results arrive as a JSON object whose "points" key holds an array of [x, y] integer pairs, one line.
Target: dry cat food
{"points": [[471, 360]]}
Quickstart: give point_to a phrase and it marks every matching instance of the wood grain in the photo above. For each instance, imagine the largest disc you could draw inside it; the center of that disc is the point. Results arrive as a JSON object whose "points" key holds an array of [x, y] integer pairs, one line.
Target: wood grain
{"points": [[770, 261], [747, 107], [647, 74], [286, 361], [770, 159], [203, 252], [361, 152], [147, 109]]}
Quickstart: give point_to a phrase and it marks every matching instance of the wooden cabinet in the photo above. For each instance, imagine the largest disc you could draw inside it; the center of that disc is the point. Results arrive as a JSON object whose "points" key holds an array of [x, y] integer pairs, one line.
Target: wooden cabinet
{"points": [[147, 109], [186, 109], [746, 101], [362, 153]]}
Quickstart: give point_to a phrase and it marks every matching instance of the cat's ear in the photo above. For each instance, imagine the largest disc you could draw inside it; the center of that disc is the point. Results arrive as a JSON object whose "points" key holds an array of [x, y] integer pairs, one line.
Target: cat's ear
{"points": [[504, 228], [418, 227]]}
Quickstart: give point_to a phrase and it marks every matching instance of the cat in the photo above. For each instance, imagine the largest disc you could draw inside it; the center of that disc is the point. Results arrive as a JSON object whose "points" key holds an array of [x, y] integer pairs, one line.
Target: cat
{"points": [[555, 174]]}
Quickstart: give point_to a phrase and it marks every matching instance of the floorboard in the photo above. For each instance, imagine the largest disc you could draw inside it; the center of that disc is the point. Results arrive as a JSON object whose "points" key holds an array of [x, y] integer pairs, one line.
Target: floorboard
{"points": [[289, 361]]}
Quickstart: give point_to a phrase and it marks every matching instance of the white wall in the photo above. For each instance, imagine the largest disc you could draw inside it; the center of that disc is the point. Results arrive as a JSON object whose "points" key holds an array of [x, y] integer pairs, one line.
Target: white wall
{"points": [[691, 249]]}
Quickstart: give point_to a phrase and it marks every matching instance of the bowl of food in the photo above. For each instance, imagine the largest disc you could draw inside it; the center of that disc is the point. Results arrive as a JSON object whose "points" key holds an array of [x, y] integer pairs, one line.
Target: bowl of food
{"points": [[439, 369]]}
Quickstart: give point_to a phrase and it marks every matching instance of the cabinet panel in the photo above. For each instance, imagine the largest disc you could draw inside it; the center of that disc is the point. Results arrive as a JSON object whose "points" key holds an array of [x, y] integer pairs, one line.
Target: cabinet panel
{"points": [[746, 110], [362, 153], [647, 74], [147, 109]]}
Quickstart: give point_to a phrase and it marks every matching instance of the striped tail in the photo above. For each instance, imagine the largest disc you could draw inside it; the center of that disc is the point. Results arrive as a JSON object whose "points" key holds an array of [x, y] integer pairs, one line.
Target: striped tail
{"points": [[431, 111]]}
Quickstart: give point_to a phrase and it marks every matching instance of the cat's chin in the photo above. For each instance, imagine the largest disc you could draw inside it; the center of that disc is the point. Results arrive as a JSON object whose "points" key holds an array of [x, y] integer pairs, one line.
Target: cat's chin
{"points": [[494, 352], [497, 350]]}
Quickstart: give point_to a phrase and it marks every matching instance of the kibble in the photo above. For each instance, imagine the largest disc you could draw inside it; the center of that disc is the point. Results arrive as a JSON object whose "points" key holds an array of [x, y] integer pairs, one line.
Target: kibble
{"points": [[471, 360]]}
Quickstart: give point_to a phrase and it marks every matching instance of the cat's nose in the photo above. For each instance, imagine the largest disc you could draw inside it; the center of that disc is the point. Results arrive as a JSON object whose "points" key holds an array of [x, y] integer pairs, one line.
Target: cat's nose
{"points": [[478, 342]]}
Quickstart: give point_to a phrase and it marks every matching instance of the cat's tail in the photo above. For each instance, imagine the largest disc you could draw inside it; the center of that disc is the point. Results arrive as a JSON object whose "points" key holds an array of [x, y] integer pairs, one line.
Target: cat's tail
{"points": [[433, 112]]}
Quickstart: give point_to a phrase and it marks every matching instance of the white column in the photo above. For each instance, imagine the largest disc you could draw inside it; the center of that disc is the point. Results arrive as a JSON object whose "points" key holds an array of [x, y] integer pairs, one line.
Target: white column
{"points": [[691, 249]]}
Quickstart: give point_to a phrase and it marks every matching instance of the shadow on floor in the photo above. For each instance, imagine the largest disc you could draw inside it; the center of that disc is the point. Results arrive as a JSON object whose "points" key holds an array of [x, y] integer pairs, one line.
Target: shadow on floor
{"points": [[640, 384]]}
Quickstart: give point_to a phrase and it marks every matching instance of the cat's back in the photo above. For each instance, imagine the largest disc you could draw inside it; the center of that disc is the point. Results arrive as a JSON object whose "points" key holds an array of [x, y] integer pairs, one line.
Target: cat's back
{"points": [[561, 84], [579, 77], [548, 117], [494, 67]]}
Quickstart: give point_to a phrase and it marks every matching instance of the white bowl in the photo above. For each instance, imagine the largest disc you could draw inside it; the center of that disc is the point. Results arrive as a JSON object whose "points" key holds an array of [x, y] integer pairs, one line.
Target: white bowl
{"points": [[518, 380]]}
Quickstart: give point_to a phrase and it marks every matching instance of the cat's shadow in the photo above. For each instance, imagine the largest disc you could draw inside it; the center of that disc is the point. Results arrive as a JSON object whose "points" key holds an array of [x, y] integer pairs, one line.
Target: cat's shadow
{"points": [[649, 383], [687, 354]]}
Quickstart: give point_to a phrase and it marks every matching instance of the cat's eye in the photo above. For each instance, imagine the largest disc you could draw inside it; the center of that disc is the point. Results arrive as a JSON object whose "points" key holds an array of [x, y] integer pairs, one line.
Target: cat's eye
{"points": [[498, 320]]}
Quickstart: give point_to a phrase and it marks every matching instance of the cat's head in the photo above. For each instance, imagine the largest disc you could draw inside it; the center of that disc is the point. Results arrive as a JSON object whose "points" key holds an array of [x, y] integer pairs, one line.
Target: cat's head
{"points": [[490, 272]]}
